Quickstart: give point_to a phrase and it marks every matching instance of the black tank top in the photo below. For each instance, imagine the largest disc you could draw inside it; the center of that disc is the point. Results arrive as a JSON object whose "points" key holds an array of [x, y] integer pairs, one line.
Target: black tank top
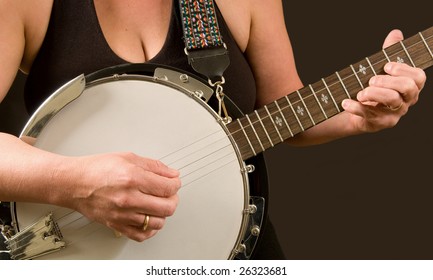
{"points": [[74, 44]]}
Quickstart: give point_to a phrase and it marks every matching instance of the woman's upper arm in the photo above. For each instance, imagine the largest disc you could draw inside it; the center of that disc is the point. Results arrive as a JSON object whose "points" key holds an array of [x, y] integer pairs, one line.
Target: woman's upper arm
{"points": [[12, 42], [270, 52]]}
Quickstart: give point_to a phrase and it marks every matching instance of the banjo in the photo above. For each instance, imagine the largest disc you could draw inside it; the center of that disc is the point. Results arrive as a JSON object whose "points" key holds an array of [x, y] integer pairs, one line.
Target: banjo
{"points": [[218, 217]]}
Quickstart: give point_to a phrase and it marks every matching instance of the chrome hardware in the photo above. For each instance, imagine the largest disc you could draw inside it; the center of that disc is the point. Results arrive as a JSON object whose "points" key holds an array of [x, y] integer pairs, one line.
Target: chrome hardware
{"points": [[255, 212], [255, 230], [199, 93], [59, 99], [184, 78], [227, 120], [184, 81], [253, 209], [249, 168], [41, 238], [240, 250], [7, 231]]}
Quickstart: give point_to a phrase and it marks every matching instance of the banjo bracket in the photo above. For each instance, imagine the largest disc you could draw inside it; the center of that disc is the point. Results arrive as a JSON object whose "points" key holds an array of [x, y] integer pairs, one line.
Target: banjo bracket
{"points": [[255, 212], [219, 93]]}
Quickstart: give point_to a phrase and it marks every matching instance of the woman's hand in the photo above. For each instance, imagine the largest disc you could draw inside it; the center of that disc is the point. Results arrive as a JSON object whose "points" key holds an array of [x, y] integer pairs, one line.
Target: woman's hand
{"points": [[119, 190], [388, 97]]}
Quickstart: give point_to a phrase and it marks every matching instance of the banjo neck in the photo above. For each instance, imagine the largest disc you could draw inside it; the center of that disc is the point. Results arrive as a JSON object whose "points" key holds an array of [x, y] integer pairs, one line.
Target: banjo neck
{"points": [[294, 113]]}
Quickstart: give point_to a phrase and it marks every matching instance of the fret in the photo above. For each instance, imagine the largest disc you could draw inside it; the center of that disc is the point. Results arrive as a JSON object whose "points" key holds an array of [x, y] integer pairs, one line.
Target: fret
{"points": [[364, 70], [419, 48], [246, 137], [290, 117], [357, 77], [259, 130], [310, 101], [330, 94], [371, 66], [426, 45], [386, 55], [336, 90], [275, 126], [344, 87], [318, 102], [294, 113], [407, 53], [255, 132], [283, 119], [264, 128], [397, 54], [271, 133], [378, 62], [305, 106]]}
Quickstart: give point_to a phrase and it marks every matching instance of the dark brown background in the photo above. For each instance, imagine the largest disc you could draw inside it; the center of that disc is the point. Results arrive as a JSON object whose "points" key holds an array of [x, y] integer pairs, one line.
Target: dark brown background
{"points": [[365, 197]]}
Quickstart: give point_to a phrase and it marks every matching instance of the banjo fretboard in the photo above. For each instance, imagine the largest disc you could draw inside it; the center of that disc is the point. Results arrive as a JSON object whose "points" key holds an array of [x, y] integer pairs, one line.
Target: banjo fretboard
{"points": [[315, 103]]}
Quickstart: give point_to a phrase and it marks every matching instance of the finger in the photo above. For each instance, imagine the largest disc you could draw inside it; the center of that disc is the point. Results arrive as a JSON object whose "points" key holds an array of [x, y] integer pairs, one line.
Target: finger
{"points": [[137, 220], [140, 202], [353, 107], [132, 232], [154, 184], [385, 96], [157, 167], [388, 88], [152, 223], [156, 206], [393, 37], [404, 70]]}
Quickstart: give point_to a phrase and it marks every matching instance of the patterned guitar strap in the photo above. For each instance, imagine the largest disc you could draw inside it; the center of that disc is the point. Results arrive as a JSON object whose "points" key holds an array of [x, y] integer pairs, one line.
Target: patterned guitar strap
{"points": [[206, 51]]}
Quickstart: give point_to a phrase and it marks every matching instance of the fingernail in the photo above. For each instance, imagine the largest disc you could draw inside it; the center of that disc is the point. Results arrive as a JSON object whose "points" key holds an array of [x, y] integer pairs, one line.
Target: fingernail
{"points": [[345, 104], [388, 67]]}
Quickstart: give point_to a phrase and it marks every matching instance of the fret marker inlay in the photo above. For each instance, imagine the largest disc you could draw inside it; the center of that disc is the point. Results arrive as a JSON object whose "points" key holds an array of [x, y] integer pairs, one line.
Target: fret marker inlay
{"points": [[294, 113], [330, 94], [363, 69], [274, 124], [324, 98], [300, 110], [282, 115]]}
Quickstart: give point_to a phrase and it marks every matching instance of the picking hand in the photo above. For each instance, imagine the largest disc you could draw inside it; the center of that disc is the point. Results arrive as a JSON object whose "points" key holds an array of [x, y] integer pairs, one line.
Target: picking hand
{"points": [[126, 193]]}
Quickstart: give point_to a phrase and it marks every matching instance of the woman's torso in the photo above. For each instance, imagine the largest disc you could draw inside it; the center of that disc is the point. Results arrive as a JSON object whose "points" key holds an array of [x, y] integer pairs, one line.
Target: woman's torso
{"points": [[81, 39]]}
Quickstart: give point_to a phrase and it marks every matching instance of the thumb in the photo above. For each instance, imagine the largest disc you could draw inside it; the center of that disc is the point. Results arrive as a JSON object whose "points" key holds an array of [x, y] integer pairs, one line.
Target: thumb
{"points": [[393, 37]]}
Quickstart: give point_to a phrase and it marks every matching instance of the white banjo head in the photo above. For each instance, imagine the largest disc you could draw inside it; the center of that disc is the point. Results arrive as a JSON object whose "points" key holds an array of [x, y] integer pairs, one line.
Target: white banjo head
{"points": [[158, 120]]}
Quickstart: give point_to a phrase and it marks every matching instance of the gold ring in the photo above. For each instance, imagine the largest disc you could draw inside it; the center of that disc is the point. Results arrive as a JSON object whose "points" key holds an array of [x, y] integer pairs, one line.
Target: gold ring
{"points": [[395, 108], [145, 222]]}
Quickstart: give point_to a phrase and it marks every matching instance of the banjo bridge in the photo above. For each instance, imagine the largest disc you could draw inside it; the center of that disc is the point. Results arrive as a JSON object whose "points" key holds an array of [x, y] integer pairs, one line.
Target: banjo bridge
{"points": [[41, 238]]}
